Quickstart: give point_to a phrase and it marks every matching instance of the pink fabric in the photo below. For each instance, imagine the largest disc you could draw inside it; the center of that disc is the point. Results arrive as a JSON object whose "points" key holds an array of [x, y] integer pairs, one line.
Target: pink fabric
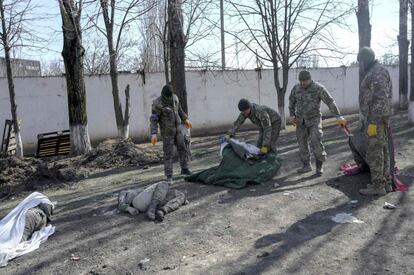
{"points": [[350, 169]]}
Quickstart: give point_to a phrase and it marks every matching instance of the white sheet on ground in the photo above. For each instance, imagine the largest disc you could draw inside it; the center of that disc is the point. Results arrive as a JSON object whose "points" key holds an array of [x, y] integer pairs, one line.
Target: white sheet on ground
{"points": [[251, 150], [12, 227]]}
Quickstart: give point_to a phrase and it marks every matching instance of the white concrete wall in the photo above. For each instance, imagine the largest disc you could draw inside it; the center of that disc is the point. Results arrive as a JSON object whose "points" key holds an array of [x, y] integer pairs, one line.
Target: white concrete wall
{"points": [[212, 98]]}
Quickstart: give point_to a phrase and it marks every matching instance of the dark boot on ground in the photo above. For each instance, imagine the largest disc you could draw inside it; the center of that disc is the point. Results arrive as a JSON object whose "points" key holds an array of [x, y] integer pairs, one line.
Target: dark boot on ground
{"points": [[151, 210], [319, 168], [373, 190], [185, 171], [159, 215], [388, 187], [306, 168], [169, 180]]}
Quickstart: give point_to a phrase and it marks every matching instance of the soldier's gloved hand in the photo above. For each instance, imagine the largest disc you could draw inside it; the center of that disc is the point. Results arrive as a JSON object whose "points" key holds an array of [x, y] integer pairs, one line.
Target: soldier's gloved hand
{"points": [[227, 136], [154, 139], [188, 124], [264, 150], [293, 121], [341, 121], [372, 130]]}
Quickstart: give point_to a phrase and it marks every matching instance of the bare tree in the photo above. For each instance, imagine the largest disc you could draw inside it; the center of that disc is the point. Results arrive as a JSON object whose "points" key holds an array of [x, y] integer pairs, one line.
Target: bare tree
{"points": [[96, 57], [15, 33], [285, 30], [197, 25], [222, 33], [364, 30], [411, 104], [114, 32], [176, 39], [52, 68], [403, 55], [73, 54]]}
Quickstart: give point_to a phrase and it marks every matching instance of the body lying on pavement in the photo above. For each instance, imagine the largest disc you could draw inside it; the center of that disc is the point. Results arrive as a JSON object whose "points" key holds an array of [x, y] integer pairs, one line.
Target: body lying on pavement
{"points": [[157, 200], [36, 218]]}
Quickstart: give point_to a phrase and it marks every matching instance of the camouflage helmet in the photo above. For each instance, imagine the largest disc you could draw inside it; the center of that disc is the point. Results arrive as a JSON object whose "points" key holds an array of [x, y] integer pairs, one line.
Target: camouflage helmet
{"points": [[366, 55], [304, 75]]}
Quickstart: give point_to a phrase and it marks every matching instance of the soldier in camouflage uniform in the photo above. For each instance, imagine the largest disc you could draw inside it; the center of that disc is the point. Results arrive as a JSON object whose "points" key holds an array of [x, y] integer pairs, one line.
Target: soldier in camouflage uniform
{"points": [[163, 201], [36, 218], [167, 113], [266, 118], [375, 103], [305, 111]]}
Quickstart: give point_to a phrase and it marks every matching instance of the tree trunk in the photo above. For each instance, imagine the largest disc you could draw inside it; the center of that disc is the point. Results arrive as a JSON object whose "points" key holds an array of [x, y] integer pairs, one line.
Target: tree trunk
{"points": [[109, 26], [127, 113], [13, 105], [364, 30], [73, 54], [223, 47], [411, 105], [281, 91], [403, 56], [115, 95], [177, 54]]}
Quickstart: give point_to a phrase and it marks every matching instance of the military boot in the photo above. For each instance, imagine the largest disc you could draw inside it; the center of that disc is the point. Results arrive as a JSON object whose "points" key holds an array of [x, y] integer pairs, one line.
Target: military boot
{"points": [[169, 180], [185, 171], [373, 190], [306, 168], [388, 187], [159, 214], [151, 210], [319, 168]]}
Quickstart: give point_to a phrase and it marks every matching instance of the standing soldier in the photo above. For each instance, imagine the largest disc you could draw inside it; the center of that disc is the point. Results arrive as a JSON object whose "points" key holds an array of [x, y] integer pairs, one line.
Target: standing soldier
{"points": [[375, 103], [265, 117], [305, 111], [167, 113]]}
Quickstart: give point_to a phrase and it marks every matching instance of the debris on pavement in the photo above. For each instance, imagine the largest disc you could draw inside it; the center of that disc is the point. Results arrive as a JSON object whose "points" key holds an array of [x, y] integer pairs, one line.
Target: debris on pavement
{"points": [[345, 218]]}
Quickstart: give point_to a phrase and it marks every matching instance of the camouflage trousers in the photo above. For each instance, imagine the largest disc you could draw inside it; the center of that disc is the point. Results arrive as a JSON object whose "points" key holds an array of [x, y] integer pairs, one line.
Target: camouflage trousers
{"points": [[274, 136], [34, 221], [168, 200], [168, 148], [310, 129], [378, 156]]}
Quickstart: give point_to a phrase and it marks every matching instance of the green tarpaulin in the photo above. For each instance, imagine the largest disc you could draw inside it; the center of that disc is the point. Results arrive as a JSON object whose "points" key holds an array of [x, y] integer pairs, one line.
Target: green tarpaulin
{"points": [[236, 171]]}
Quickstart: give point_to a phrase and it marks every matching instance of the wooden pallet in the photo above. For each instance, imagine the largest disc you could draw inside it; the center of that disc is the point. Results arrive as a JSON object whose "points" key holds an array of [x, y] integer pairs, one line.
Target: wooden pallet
{"points": [[53, 144], [8, 142]]}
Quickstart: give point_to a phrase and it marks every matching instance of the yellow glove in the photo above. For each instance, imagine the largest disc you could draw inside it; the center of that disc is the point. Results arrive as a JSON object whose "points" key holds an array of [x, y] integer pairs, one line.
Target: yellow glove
{"points": [[264, 150], [341, 121], [227, 137], [372, 130], [154, 139], [188, 124], [293, 121]]}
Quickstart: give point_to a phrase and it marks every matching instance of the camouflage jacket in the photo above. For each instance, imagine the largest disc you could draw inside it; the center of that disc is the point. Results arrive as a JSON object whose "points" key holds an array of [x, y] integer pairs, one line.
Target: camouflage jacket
{"points": [[261, 116], [166, 117], [306, 103], [375, 95]]}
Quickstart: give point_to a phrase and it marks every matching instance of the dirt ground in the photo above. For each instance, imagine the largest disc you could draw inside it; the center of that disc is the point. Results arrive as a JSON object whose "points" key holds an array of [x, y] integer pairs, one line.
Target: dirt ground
{"points": [[280, 227]]}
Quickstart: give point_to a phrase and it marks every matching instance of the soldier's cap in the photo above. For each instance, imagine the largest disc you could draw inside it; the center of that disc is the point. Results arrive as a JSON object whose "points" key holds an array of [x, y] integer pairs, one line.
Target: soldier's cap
{"points": [[304, 75], [366, 55], [167, 91], [244, 104]]}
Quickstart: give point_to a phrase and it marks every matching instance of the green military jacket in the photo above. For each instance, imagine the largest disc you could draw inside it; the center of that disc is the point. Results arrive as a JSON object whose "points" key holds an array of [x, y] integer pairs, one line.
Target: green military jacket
{"points": [[166, 117], [375, 97], [261, 116], [306, 103]]}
